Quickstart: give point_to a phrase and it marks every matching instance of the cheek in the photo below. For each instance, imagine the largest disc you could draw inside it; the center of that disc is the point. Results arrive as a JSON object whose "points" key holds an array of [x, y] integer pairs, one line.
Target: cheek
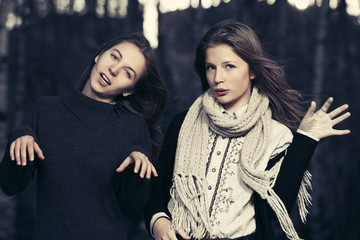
{"points": [[209, 78], [241, 78], [93, 72]]}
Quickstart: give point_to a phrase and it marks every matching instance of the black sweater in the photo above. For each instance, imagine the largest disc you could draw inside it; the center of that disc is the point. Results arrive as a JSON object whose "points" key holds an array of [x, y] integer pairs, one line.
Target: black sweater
{"points": [[287, 185], [80, 195]]}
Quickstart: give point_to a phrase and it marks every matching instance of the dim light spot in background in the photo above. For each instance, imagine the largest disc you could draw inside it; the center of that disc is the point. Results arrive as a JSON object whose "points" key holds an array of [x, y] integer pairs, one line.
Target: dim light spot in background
{"points": [[151, 9], [79, 6]]}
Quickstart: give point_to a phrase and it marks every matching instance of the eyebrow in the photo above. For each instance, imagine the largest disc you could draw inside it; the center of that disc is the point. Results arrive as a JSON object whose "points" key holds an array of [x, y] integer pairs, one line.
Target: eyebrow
{"points": [[231, 62], [121, 56], [226, 62]]}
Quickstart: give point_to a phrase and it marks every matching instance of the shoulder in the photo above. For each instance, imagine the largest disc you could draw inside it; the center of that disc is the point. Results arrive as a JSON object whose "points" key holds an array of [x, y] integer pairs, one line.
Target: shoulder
{"points": [[280, 136], [132, 118], [179, 118], [45, 100], [279, 130], [126, 119], [176, 122]]}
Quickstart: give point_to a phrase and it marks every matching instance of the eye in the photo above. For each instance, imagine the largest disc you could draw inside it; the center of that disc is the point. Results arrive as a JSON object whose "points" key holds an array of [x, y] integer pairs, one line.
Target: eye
{"points": [[114, 57], [230, 66], [128, 74], [209, 68]]}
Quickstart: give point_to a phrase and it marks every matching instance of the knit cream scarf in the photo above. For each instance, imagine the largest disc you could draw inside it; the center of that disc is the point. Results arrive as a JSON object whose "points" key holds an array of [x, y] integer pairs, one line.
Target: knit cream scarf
{"points": [[187, 204]]}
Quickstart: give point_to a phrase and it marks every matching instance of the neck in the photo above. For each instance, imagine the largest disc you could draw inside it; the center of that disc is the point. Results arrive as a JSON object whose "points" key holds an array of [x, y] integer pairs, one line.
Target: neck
{"points": [[87, 91]]}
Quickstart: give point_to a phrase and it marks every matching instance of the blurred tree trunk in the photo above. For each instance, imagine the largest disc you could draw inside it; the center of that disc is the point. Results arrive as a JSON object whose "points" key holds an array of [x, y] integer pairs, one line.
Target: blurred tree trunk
{"points": [[320, 52], [319, 227], [282, 26], [7, 205], [91, 7], [338, 190]]}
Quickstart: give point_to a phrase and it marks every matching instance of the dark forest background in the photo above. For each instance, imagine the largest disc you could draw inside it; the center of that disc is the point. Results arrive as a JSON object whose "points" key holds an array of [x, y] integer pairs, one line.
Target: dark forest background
{"points": [[319, 49]]}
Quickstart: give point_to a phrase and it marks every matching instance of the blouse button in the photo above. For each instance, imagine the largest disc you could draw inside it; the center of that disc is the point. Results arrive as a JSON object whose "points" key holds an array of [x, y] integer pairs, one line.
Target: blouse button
{"points": [[218, 152], [209, 187], [214, 169]]}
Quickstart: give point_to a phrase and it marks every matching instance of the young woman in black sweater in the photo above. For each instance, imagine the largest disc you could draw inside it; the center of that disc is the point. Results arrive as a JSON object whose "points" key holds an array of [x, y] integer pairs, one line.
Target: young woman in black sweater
{"points": [[91, 149]]}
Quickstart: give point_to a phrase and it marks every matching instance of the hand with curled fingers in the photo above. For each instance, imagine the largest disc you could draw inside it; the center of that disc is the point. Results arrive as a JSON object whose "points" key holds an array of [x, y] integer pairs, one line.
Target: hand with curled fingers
{"points": [[141, 162], [162, 230], [320, 124], [24, 149]]}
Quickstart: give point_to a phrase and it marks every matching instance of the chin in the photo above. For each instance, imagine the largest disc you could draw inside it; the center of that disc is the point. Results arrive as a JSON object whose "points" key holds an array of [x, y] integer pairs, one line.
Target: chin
{"points": [[223, 103], [221, 100]]}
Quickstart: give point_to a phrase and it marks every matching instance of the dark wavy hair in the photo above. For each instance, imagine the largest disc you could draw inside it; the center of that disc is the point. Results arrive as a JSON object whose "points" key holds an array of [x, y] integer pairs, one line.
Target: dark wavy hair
{"points": [[150, 93], [286, 104]]}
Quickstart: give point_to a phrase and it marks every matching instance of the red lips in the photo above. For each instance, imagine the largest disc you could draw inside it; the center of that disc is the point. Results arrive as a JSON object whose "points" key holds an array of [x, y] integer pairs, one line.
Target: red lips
{"points": [[221, 92]]}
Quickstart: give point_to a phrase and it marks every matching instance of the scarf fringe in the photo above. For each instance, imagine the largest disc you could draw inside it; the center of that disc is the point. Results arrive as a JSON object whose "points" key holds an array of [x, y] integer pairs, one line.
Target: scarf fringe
{"points": [[303, 202], [304, 199], [280, 210], [186, 200], [264, 189]]}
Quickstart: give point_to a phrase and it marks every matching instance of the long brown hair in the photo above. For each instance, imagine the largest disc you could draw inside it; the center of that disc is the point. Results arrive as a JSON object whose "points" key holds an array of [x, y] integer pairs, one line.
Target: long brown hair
{"points": [[286, 104], [150, 93]]}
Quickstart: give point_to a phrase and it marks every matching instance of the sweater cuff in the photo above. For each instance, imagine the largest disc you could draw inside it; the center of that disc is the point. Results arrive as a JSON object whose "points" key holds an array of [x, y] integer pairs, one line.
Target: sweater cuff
{"points": [[137, 149], [22, 131], [304, 141]]}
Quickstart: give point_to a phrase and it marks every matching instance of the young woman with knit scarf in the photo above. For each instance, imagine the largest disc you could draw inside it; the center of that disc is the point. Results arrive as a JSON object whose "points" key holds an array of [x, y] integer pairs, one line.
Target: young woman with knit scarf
{"points": [[91, 148], [237, 158]]}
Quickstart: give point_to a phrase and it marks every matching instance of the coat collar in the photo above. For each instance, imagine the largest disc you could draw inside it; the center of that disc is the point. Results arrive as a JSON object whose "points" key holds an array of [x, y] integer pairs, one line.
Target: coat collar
{"points": [[92, 112]]}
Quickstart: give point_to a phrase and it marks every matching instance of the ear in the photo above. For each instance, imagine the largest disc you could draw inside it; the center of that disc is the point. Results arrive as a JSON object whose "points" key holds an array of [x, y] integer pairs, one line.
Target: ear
{"points": [[252, 75], [127, 93], [96, 58]]}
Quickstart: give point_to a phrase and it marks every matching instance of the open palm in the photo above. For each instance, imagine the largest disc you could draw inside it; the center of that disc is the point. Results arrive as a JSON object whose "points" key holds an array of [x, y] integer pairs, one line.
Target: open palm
{"points": [[320, 124]]}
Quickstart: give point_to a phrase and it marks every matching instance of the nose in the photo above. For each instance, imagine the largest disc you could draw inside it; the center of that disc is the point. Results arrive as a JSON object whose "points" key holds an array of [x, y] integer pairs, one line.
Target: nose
{"points": [[115, 69], [218, 76]]}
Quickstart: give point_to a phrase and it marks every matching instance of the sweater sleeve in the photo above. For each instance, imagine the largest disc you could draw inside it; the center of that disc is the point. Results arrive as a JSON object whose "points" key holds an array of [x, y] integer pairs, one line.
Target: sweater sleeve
{"points": [[160, 192], [295, 163], [14, 178], [134, 192]]}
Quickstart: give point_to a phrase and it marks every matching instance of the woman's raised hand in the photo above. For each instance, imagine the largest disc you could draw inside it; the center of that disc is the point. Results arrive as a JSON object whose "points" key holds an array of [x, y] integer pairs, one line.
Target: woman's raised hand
{"points": [[320, 124], [141, 161], [23, 149]]}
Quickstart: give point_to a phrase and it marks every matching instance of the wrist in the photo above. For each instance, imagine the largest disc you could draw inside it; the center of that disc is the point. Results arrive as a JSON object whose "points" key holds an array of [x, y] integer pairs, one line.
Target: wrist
{"points": [[308, 134], [161, 225], [158, 218]]}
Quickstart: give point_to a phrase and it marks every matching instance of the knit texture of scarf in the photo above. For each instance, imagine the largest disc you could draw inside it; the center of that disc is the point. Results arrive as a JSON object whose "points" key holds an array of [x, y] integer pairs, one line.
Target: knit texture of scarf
{"points": [[187, 204]]}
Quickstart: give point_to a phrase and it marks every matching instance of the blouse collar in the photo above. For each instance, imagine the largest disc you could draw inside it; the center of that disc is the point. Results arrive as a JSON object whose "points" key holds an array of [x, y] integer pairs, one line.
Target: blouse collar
{"points": [[237, 113]]}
